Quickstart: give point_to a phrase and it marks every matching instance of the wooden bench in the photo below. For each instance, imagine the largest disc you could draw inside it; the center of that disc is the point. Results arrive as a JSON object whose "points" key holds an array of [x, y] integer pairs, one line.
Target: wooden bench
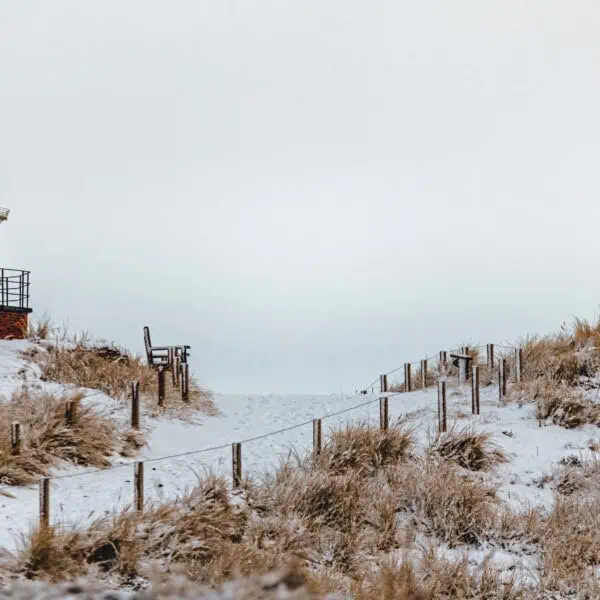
{"points": [[162, 356]]}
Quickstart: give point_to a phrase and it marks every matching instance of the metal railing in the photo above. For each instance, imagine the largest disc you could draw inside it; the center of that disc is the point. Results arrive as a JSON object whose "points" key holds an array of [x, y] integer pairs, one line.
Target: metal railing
{"points": [[14, 289]]}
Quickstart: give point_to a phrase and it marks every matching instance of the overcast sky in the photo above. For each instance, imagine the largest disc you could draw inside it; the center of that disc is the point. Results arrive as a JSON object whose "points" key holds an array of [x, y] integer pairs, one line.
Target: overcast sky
{"points": [[309, 193]]}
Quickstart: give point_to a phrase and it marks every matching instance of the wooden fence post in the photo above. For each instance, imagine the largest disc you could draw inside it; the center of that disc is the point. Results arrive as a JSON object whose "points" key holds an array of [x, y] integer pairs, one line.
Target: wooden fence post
{"points": [[442, 414], [138, 486], [467, 364], [490, 357], [384, 413], [177, 372], [424, 373], [502, 379], [236, 449], [383, 383], [407, 377], [135, 405], [161, 386], [15, 438], [71, 413], [44, 502], [185, 382], [475, 390], [443, 358], [317, 436], [518, 365]]}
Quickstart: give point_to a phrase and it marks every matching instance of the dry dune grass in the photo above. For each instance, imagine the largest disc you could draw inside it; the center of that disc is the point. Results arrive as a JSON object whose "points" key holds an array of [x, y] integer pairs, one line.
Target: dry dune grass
{"points": [[47, 439], [469, 449], [83, 362]]}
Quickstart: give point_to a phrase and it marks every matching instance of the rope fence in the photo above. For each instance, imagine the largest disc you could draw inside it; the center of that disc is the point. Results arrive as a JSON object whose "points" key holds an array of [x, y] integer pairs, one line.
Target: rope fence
{"points": [[443, 369]]}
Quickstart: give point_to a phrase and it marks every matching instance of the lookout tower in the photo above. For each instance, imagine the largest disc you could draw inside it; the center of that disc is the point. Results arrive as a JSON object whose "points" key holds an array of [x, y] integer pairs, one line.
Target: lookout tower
{"points": [[14, 298]]}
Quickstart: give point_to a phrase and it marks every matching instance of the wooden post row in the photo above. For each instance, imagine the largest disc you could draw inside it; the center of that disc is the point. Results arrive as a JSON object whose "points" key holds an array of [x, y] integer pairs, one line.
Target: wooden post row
{"points": [[383, 384], [442, 413], [15, 438], [161, 386], [138, 486], [475, 390], [424, 373], [135, 405], [407, 377], [236, 451], [317, 436], [44, 502], [384, 413]]}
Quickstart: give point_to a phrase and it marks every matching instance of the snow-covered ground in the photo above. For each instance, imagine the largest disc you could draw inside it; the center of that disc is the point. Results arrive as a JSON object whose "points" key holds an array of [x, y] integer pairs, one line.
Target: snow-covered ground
{"points": [[78, 496]]}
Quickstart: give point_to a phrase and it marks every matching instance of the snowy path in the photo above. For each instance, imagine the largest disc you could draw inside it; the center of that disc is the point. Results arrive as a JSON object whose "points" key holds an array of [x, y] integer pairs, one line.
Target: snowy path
{"points": [[84, 497]]}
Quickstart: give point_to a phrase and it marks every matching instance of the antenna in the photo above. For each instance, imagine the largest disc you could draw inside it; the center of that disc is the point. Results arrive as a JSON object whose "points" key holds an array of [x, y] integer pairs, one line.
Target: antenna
{"points": [[4, 212]]}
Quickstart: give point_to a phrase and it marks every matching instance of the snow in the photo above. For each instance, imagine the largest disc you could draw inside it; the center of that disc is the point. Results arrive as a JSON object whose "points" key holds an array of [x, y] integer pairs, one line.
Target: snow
{"points": [[82, 496]]}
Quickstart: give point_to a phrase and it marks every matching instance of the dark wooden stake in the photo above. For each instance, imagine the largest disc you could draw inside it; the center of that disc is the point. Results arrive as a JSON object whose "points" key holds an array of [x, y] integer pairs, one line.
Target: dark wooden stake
{"points": [[71, 413], [237, 464], [407, 377], [177, 372], [475, 390], [424, 373], [490, 357], [44, 502], [383, 383], [442, 414], [502, 379], [185, 382], [135, 405], [138, 486], [161, 386], [384, 413], [317, 436], [15, 438], [518, 365]]}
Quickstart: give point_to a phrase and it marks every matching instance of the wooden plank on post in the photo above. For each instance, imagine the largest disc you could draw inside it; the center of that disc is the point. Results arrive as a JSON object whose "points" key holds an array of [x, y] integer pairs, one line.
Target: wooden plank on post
{"points": [[138, 486], [424, 373], [475, 390], [490, 357], [384, 413], [135, 405], [161, 386], [317, 436], [236, 450], [44, 502], [15, 438]]}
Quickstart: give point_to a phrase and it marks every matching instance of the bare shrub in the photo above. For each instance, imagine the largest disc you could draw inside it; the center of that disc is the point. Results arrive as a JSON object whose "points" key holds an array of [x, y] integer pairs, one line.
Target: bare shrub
{"points": [[469, 449]]}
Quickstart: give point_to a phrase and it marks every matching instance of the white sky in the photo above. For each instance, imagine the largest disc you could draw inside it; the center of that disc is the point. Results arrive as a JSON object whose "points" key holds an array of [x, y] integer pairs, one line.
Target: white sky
{"points": [[308, 193]]}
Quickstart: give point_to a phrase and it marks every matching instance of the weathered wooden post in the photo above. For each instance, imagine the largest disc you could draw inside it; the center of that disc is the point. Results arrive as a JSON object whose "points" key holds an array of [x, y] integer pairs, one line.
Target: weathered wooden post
{"points": [[317, 437], [15, 438], [384, 413], [383, 383], [424, 373], [407, 377], [502, 378], [443, 359], [161, 386], [138, 486], [490, 357], [71, 413], [237, 464], [185, 382], [518, 365], [475, 390], [135, 405], [467, 364], [442, 414], [44, 487], [177, 372]]}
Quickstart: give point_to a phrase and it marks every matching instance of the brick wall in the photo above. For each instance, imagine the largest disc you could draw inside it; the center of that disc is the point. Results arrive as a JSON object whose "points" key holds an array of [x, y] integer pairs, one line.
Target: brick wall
{"points": [[13, 324]]}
